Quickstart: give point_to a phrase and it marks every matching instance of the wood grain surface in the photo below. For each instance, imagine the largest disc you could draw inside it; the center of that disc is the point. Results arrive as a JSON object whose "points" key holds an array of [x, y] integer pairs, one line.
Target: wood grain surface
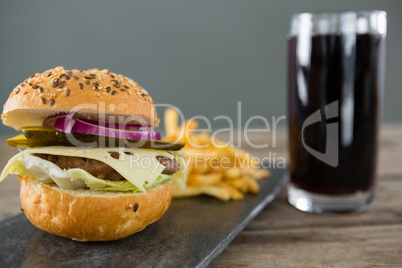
{"points": [[281, 236]]}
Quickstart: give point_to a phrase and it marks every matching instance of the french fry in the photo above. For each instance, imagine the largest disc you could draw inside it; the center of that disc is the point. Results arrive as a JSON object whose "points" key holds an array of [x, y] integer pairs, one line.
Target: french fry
{"points": [[231, 173], [252, 185], [199, 180], [222, 193], [205, 170], [171, 120], [202, 160], [239, 183], [187, 192], [234, 193], [257, 173], [190, 165]]}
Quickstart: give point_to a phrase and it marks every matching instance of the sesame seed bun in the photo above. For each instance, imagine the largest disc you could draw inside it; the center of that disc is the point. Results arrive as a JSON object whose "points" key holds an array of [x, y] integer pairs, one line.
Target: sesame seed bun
{"points": [[92, 93], [85, 215]]}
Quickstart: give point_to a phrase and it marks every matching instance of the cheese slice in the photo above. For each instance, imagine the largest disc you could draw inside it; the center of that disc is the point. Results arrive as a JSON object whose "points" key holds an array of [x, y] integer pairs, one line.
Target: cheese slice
{"points": [[138, 166]]}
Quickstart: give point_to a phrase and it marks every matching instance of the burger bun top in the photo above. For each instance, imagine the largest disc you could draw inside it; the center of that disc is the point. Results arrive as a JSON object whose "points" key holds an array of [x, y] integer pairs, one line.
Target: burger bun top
{"points": [[97, 94]]}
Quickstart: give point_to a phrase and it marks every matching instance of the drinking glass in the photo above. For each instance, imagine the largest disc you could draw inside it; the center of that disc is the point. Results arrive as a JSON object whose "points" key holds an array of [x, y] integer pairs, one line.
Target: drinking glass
{"points": [[335, 86]]}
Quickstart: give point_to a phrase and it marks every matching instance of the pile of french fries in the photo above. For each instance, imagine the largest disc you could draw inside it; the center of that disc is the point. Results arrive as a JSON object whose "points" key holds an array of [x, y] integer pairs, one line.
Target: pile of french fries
{"points": [[224, 172]]}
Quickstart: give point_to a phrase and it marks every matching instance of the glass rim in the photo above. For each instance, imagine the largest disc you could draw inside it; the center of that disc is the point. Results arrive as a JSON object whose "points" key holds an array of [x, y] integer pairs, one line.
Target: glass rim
{"points": [[328, 22], [339, 12]]}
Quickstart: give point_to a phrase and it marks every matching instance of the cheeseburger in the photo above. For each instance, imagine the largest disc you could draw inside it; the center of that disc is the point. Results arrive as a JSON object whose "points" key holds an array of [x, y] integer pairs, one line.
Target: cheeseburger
{"points": [[91, 166]]}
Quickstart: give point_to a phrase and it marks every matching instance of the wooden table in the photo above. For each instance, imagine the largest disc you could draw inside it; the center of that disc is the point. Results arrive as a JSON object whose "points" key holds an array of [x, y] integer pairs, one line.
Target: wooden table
{"points": [[282, 236]]}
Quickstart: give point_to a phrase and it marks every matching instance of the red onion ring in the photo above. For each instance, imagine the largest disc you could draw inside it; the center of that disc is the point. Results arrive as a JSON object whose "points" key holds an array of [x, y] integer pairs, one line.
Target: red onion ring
{"points": [[119, 125], [67, 125], [64, 124], [48, 122]]}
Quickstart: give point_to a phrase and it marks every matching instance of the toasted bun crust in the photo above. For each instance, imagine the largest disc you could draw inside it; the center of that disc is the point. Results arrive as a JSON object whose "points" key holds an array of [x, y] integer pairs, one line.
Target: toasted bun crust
{"points": [[88, 92], [92, 216]]}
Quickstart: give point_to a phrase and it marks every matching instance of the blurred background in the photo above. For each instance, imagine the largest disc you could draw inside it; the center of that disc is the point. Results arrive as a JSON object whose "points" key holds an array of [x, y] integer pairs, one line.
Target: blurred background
{"points": [[202, 56]]}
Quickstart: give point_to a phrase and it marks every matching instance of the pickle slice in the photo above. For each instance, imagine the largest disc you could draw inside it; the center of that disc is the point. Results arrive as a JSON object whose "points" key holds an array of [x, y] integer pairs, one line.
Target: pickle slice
{"points": [[20, 141], [46, 136], [42, 133]]}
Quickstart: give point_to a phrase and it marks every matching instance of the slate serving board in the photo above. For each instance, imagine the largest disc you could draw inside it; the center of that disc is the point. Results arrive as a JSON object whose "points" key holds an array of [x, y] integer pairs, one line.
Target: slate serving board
{"points": [[191, 233]]}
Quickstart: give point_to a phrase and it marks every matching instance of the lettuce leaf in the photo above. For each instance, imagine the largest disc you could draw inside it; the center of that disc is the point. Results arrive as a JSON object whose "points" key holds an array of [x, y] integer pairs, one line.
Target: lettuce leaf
{"points": [[47, 172], [96, 184]]}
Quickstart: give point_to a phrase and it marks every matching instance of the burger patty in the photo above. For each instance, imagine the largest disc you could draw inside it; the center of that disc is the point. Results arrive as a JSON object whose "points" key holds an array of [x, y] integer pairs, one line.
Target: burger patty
{"points": [[99, 169]]}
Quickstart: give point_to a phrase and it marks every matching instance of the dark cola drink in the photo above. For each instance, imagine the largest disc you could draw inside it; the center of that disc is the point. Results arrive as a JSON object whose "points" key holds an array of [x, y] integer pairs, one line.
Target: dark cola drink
{"points": [[335, 84]]}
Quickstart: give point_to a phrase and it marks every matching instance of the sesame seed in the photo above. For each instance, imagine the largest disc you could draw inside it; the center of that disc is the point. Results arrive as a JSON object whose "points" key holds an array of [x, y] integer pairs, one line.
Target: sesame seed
{"points": [[61, 84], [32, 76], [111, 75], [63, 76], [30, 84], [51, 102], [129, 92], [55, 81], [117, 85], [40, 89], [59, 90], [76, 78], [114, 92], [43, 100], [23, 85], [108, 89], [68, 92], [90, 76], [126, 86], [88, 82], [81, 86], [48, 74], [17, 90], [35, 86], [98, 94], [123, 89], [136, 207]]}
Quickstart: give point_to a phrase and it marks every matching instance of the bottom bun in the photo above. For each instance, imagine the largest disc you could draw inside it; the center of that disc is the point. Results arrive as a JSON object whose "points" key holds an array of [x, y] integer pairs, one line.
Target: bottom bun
{"points": [[85, 215]]}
